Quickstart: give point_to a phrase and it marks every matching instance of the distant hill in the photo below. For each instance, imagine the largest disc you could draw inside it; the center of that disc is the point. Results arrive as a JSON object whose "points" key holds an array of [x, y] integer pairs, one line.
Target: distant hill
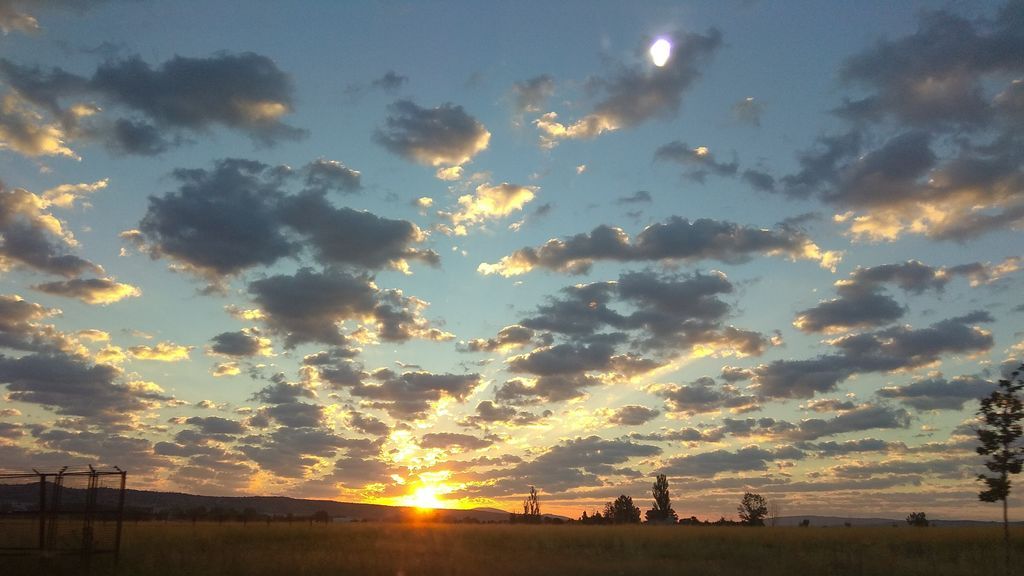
{"points": [[25, 496]]}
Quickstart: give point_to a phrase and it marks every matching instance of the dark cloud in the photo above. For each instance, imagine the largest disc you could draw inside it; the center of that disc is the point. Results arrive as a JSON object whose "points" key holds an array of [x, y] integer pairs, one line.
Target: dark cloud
{"points": [[507, 338], [324, 176], [351, 237], [531, 95], [441, 136], [710, 464], [633, 415], [289, 452], [219, 222], [952, 77], [634, 94], [450, 440], [698, 160], [245, 92], [573, 463], [861, 302], [33, 238], [831, 449], [488, 413], [408, 396], [390, 81], [73, 386], [703, 395], [90, 290], [748, 111], [895, 348], [677, 239], [215, 425], [637, 197], [240, 343], [238, 215], [20, 327], [760, 180], [368, 424], [939, 393]]}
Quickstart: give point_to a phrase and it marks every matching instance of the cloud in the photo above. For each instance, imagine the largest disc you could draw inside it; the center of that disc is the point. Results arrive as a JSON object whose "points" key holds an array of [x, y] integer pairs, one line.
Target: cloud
{"points": [[241, 343], [451, 440], [91, 291], [573, 463], [14, 14], [488, 413], [223, 221], [32, 237], [350, 237], [20, 327], [310, 307], [441, 136], [633, 415], [26, 132], [677, 239], [939, 393], [215, 425], [368, 424], [710, 464], [635, 198], [895, 348], [324, 176], [508, 337], [634, 94], [72, 386], [161, 352], [748, 111], [531, 95], [951, 77], [698, 160], [490, 203], [861, 304], [703, 396], [409, 396], [245, 92], [390, 81]]}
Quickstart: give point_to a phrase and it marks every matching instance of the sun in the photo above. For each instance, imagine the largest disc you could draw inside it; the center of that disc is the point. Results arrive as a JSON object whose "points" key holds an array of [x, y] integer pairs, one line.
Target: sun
{"points": [[425, 497]]}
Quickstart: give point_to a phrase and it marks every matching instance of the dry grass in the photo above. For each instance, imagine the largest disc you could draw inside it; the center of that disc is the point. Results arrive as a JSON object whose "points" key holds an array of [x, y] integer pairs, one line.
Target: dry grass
{"points": [[498, 550]]}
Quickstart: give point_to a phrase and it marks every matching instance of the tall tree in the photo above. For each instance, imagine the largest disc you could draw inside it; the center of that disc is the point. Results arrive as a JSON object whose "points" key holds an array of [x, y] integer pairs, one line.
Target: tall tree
{"points": [[1002, 412], [662, 510], [752, 509], [622, 511], [531, 506]]}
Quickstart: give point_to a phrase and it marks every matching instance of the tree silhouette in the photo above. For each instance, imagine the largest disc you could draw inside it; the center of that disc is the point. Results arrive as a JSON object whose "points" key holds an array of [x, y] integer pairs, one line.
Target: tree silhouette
{"points": [[1002, 412], [662, 510], [917, 519], [752, 509], [622, 511], [531, 506]]}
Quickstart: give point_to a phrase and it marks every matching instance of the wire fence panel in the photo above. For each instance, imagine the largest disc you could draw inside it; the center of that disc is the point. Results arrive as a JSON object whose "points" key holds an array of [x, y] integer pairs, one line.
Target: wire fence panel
{"points": [[63, 512]]}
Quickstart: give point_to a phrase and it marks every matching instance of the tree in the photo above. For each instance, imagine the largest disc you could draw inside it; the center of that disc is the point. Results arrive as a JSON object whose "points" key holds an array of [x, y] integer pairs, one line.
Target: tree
{"points": [[917, 519], [622, 511], [1002, 412], [662, 510], [752, 509], [531, 506]]}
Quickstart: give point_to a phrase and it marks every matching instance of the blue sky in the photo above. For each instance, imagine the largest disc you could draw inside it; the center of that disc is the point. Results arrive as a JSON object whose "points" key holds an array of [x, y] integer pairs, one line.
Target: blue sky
{"points": [[437, 253]]}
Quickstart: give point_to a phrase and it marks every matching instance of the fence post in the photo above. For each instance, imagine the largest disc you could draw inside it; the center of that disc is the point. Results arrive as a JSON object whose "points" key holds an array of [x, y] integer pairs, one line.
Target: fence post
{"points": [[42, 510], [120, 516]]}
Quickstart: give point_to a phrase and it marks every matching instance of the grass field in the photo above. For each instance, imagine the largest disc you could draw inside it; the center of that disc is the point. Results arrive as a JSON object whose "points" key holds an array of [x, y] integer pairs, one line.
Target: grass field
{"points": [[495, 550]]}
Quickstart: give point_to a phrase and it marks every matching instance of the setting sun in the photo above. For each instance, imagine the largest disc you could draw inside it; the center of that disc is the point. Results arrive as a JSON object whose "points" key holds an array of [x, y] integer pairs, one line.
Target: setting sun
{"points": [[425, 497]]}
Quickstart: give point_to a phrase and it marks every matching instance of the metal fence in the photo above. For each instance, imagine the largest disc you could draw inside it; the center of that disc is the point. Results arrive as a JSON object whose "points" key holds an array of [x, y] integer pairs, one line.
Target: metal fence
{"points": [[63, 512]]}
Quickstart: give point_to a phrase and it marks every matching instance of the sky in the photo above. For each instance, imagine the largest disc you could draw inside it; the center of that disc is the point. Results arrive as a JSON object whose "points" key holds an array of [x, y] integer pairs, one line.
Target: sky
{"points": [[436, 253]]}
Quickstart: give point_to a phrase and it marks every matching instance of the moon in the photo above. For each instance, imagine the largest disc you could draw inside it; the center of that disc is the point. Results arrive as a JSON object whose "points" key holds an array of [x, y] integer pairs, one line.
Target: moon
{"points": [[660, 51]]}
